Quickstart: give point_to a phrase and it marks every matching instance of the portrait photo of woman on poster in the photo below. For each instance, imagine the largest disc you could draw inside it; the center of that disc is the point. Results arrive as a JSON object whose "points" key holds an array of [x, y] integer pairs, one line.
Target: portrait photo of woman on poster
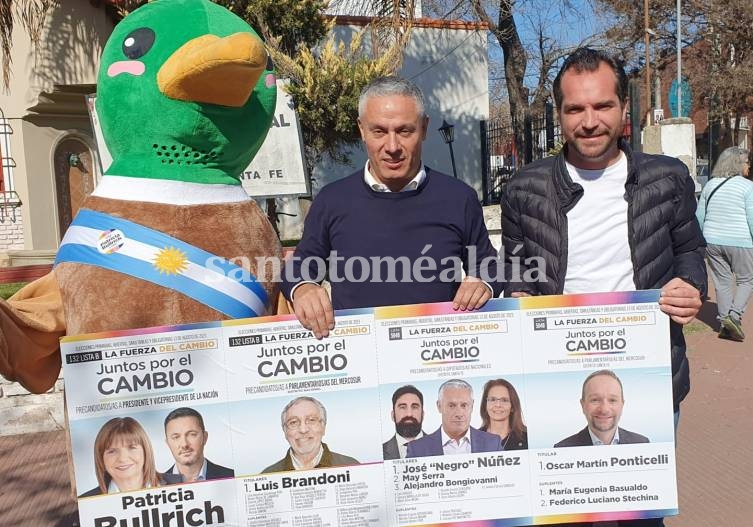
{"points": [[123, 458], [502, 414]]}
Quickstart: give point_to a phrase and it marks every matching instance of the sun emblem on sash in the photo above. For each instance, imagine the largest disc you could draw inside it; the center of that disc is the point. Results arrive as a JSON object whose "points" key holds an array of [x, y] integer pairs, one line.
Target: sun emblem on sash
{"points": [[170, 261]]}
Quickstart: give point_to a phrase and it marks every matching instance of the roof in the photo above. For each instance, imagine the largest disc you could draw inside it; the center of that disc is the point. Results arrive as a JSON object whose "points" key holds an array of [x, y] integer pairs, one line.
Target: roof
{"points": [[346, 20]]}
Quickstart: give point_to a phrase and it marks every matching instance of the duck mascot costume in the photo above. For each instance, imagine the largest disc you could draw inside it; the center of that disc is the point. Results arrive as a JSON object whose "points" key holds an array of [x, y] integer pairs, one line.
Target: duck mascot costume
{"points": [[185, 96]]}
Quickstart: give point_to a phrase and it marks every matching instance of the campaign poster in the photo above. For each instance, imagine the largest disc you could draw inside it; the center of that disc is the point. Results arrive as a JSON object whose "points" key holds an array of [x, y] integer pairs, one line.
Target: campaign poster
{"points": [[452, 358], [596, 365], [528, 411], [291, 392], [121, 390]]}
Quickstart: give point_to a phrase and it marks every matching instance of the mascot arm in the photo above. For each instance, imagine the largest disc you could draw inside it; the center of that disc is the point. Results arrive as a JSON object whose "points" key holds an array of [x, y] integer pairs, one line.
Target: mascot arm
{"points": [[31, 325]]}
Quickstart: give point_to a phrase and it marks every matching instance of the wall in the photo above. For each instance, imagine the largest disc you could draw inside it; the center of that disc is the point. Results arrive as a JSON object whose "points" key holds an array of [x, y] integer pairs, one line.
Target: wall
{"points": [[67, 54], [11, 232], [45, 134], [22, 412]]}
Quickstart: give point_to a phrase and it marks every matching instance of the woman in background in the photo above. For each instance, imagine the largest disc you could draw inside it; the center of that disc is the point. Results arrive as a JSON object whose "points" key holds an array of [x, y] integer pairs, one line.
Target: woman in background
{"points": [[502, 415], [725, 213], [123, 458]]}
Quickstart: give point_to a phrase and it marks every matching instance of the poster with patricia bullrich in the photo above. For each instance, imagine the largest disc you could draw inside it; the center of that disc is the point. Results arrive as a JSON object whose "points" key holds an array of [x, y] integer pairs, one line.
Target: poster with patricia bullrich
{"points": [[146, 407], [251, 422], [528, 411]]}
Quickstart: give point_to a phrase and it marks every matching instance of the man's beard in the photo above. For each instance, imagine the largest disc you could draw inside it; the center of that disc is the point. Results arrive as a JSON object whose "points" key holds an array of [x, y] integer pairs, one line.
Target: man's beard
{"points": [[408, 427]]}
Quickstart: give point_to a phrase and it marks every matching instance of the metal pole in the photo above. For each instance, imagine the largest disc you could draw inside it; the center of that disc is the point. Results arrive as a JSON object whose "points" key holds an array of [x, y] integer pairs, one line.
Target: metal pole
{"points": [[679, 63], [647, 41], [452, 158], [485, 162]]}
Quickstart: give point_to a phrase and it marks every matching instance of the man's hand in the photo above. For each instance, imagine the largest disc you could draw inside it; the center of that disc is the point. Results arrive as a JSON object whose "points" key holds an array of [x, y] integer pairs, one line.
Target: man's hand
{"points": [[680, 300], [519, 294], [314, 309], [473, 293]]}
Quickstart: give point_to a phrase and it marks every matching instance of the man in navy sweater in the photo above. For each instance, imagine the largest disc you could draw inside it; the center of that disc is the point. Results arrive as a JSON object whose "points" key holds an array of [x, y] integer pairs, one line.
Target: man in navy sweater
{"points": [[395, 232]]}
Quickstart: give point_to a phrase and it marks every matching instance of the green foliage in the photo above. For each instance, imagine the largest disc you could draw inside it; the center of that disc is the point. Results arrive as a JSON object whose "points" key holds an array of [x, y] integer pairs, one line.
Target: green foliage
{"points": [[294, 23], [10, 289], [325, 87]]}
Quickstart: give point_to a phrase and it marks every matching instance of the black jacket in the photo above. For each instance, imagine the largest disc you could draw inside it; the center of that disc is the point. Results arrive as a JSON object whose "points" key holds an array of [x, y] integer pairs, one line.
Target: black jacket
{"points": [[664, 236]]}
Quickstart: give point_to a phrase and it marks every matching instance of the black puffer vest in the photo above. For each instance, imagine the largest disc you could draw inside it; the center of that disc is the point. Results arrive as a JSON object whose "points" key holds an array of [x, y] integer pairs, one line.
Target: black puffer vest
{"points": [[664, 236]]}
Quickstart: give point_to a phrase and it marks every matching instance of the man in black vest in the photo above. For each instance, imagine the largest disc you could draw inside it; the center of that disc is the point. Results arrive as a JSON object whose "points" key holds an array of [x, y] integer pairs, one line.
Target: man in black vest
{"points": [[599, 217]]}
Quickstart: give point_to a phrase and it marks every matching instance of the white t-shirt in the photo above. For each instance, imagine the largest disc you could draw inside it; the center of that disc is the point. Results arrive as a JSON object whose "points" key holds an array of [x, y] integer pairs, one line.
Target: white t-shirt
{"points": [[598, 252]]}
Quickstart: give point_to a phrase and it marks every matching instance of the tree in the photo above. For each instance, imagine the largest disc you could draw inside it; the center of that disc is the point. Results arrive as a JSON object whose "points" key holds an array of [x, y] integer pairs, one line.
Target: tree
{"points": [[527, 66], [32, 15], [717, 42]]}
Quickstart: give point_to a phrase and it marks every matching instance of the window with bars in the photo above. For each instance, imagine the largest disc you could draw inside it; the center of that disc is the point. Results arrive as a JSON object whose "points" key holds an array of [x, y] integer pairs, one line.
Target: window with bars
{"points": [[6, 161], [9, 200]]}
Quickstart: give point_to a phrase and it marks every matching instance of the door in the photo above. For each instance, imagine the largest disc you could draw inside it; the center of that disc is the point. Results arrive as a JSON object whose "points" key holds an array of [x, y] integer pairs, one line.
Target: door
{"points": [[74, 178]]}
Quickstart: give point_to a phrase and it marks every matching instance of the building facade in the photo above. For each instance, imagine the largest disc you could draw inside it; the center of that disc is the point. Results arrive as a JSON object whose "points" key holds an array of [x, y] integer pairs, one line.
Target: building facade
{"points": [[48, 151]]}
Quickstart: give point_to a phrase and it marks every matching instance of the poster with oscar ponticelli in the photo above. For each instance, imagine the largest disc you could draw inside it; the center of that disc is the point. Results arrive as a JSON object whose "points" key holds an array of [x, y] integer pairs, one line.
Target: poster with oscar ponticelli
{"points": [[528, 411]]}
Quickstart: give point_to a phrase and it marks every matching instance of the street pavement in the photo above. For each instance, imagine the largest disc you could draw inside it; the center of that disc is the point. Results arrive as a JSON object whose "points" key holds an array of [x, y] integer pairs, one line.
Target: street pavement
{"points": [[714, 455]]}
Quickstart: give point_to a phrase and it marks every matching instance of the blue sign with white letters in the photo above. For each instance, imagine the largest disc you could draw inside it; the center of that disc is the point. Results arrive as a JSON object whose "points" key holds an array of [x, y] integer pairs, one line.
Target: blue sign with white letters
{"points": [[686, 98]]}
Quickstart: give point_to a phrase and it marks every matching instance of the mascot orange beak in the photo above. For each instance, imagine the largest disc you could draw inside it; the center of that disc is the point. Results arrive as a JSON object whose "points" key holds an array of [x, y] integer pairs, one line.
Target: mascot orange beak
{"points": [[214, 70]]}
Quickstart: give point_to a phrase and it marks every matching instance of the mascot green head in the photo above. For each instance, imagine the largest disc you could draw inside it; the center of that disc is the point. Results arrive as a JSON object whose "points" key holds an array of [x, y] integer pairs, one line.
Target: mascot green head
{"points": [[185, 92]]}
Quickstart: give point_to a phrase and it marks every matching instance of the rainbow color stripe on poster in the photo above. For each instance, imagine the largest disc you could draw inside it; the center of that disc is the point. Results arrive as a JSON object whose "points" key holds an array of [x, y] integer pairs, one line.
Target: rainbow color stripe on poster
{"points": [[441, 308], [288, 317], [590, 299], [139, 331], [560, 518]]}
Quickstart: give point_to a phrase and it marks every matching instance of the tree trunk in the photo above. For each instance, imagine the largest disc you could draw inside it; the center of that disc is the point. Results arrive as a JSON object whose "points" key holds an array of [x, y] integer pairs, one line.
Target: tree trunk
{"points": [[515, 62]]}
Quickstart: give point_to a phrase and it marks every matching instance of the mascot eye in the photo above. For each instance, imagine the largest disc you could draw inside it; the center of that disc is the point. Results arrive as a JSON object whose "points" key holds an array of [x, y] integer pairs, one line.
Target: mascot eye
{"points": [[270, 64], [138, 43]]}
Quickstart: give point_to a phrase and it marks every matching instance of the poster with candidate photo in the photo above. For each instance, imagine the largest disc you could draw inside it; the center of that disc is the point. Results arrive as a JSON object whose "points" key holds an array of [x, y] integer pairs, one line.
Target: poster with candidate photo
{"points": [[448, 357], [528, 411]]}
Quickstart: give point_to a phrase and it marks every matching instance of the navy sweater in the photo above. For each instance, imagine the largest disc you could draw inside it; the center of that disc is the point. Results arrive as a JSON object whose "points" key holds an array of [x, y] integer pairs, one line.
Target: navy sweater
{"points": [[360, 224]]}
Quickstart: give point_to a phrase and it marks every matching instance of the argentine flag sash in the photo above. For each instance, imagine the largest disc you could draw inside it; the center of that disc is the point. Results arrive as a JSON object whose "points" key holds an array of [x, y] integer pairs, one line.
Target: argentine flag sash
{"points": [[99, 239]]}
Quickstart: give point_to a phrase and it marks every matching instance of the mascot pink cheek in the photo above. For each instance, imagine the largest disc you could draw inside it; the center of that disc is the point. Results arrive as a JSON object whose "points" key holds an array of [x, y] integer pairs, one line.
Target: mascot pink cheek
{"points": [[134, 67], [270, 80]]}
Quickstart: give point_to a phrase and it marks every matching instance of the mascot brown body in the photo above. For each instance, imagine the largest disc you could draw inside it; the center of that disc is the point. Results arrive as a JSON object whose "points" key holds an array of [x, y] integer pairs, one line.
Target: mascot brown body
{"points": [[185, 95]]}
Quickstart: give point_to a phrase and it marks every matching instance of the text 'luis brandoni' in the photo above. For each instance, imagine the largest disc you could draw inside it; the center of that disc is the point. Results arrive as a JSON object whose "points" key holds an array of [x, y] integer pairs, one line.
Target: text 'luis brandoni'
{"points": [[147, 512], [289, 482]]}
